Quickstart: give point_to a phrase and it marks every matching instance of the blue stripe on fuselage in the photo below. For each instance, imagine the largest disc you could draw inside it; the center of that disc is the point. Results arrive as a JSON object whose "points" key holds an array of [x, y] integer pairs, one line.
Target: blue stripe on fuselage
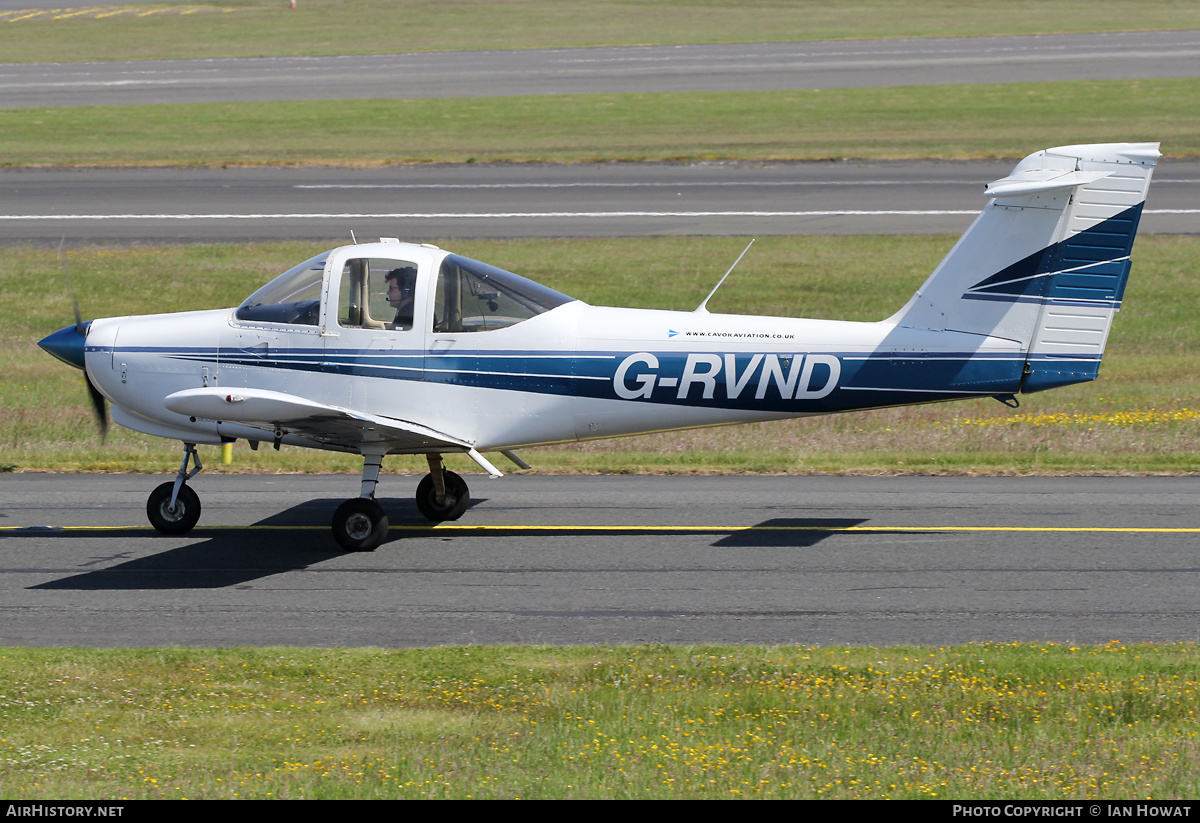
{"points": [[797, 383]]}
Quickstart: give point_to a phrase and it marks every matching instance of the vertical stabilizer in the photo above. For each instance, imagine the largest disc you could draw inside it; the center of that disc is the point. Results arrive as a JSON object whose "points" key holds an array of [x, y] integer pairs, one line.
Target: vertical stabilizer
{"points": [[1045, 263]]}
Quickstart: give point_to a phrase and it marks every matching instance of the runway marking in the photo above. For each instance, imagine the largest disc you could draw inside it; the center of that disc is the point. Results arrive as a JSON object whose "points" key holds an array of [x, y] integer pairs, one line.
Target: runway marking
{"points": [[102, 12], [442, 527], [476, 215], [597, 185], [691, 184], [525, 215], [736, 529]]}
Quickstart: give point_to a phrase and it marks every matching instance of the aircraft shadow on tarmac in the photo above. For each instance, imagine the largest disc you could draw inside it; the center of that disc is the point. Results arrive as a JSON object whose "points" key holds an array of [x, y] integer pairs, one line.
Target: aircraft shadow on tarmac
{"points": [[783, 532], [298, 538], [290, 540]]}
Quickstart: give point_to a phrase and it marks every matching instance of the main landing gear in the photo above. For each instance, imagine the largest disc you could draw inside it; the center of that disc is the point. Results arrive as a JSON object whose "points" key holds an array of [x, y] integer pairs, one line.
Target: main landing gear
{"points": [[442, 495], [359, 524]]}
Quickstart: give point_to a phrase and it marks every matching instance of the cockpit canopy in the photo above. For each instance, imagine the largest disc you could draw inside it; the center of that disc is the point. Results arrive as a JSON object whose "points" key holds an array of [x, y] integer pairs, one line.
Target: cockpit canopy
{"points": [[473, 296], [379, 290], [293, 297]]}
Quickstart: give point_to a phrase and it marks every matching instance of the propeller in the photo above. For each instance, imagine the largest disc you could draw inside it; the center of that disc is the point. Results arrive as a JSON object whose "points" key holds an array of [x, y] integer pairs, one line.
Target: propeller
{"points": [[67, 344], [99, 410]]}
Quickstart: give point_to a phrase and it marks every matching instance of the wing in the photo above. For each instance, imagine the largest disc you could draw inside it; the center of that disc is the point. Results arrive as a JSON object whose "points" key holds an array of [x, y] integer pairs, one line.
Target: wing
{"points": [[274, 411]]}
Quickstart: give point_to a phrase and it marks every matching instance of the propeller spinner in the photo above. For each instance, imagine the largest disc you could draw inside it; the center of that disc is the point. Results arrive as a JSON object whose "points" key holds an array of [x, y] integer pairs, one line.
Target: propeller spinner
{"points": [[68, 344]]}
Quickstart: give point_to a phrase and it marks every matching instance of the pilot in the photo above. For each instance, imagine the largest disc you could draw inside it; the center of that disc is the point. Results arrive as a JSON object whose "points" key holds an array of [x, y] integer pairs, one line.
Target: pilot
{"points": [[401, 283]]}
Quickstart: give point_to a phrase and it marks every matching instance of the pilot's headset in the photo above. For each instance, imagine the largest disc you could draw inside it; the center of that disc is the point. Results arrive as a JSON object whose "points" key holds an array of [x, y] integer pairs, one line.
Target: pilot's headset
{"points": [[406, 279]]}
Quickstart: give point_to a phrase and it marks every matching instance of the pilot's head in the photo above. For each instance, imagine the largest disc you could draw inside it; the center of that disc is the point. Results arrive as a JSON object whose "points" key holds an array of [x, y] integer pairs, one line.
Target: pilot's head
{"points": [[400, 284]]}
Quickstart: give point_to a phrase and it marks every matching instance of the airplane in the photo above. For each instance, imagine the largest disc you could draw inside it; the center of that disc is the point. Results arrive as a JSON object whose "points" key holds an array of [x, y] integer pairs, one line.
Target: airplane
{"points": [[401, 348]]}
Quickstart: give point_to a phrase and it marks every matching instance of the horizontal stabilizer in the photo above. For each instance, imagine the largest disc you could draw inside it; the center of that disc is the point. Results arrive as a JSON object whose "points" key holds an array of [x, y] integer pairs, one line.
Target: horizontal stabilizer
{"points": [[1037, 181]]}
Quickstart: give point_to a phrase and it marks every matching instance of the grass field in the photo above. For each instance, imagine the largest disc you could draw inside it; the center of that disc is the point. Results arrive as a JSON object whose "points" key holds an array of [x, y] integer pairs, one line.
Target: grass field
{"points": [[1141, 416], [983, 721], [269, 27], [921, 121]]}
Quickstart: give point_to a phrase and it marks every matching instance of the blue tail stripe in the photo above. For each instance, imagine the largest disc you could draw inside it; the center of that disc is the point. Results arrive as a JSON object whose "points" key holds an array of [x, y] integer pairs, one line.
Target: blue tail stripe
{"points": [[1096, 255]]}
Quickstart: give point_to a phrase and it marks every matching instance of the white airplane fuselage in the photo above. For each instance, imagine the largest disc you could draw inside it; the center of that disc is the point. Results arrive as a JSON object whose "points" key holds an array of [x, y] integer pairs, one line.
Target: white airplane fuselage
{"points": [[577, 372]]}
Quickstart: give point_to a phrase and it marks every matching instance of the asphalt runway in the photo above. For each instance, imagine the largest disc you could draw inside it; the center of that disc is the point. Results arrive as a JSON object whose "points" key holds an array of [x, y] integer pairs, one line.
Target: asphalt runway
{"points": [[418, 203], [721, 67], [580, 560], [172, 205]]}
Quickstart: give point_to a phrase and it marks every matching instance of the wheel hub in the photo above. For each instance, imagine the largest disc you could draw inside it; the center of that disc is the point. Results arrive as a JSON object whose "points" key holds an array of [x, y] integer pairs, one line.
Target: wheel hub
{"points": [[358, 526]]}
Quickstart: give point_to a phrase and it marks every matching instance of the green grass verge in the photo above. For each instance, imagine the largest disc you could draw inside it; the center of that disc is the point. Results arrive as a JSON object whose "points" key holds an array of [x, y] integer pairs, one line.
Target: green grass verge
{"points": [[919, 121], [983, 721], [269, 27], [1141, 416]]}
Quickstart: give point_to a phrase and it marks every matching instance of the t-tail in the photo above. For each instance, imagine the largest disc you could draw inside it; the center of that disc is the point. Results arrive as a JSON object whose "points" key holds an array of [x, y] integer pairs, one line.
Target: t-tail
{"points": [[1046, 262]]}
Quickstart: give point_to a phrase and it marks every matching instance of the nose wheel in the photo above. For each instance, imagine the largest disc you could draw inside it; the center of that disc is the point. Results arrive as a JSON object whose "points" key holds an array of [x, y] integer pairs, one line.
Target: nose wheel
{"points": [[173, 518], [173, 508]]}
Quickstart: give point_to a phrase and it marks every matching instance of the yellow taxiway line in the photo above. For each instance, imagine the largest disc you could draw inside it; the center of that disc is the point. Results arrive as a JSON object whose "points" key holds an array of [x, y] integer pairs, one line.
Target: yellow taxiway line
{"points": [[445, 527]]}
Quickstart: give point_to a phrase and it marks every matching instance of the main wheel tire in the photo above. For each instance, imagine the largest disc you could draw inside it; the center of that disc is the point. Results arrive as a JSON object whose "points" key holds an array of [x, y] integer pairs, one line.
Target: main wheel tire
{"points": [[177, 520], [360, 525], [458, 497]]}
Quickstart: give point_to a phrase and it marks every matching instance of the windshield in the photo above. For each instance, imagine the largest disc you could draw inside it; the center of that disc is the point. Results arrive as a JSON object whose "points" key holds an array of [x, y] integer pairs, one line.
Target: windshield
{"points": [[473, 296], [293, 297]]}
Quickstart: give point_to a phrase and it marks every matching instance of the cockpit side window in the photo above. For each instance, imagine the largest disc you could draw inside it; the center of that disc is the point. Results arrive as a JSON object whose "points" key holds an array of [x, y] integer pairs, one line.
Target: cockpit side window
{"points": [[293, 297], [473, 296], [377, 293]]}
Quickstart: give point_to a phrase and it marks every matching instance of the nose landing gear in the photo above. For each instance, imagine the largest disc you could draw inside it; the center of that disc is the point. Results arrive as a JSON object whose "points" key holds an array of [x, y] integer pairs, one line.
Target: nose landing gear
{"points": [[176, 516], [173, 508]]}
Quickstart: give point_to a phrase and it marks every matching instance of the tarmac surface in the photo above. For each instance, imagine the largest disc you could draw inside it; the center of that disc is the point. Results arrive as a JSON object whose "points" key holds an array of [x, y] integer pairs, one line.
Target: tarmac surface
{"points": [[581, 560], [608, 70], [420, 203]]}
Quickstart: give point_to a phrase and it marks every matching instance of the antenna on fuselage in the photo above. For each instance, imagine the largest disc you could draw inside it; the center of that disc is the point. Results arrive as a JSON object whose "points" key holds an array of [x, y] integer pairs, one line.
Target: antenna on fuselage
{"points": [[703, 307], [353, 239]]}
